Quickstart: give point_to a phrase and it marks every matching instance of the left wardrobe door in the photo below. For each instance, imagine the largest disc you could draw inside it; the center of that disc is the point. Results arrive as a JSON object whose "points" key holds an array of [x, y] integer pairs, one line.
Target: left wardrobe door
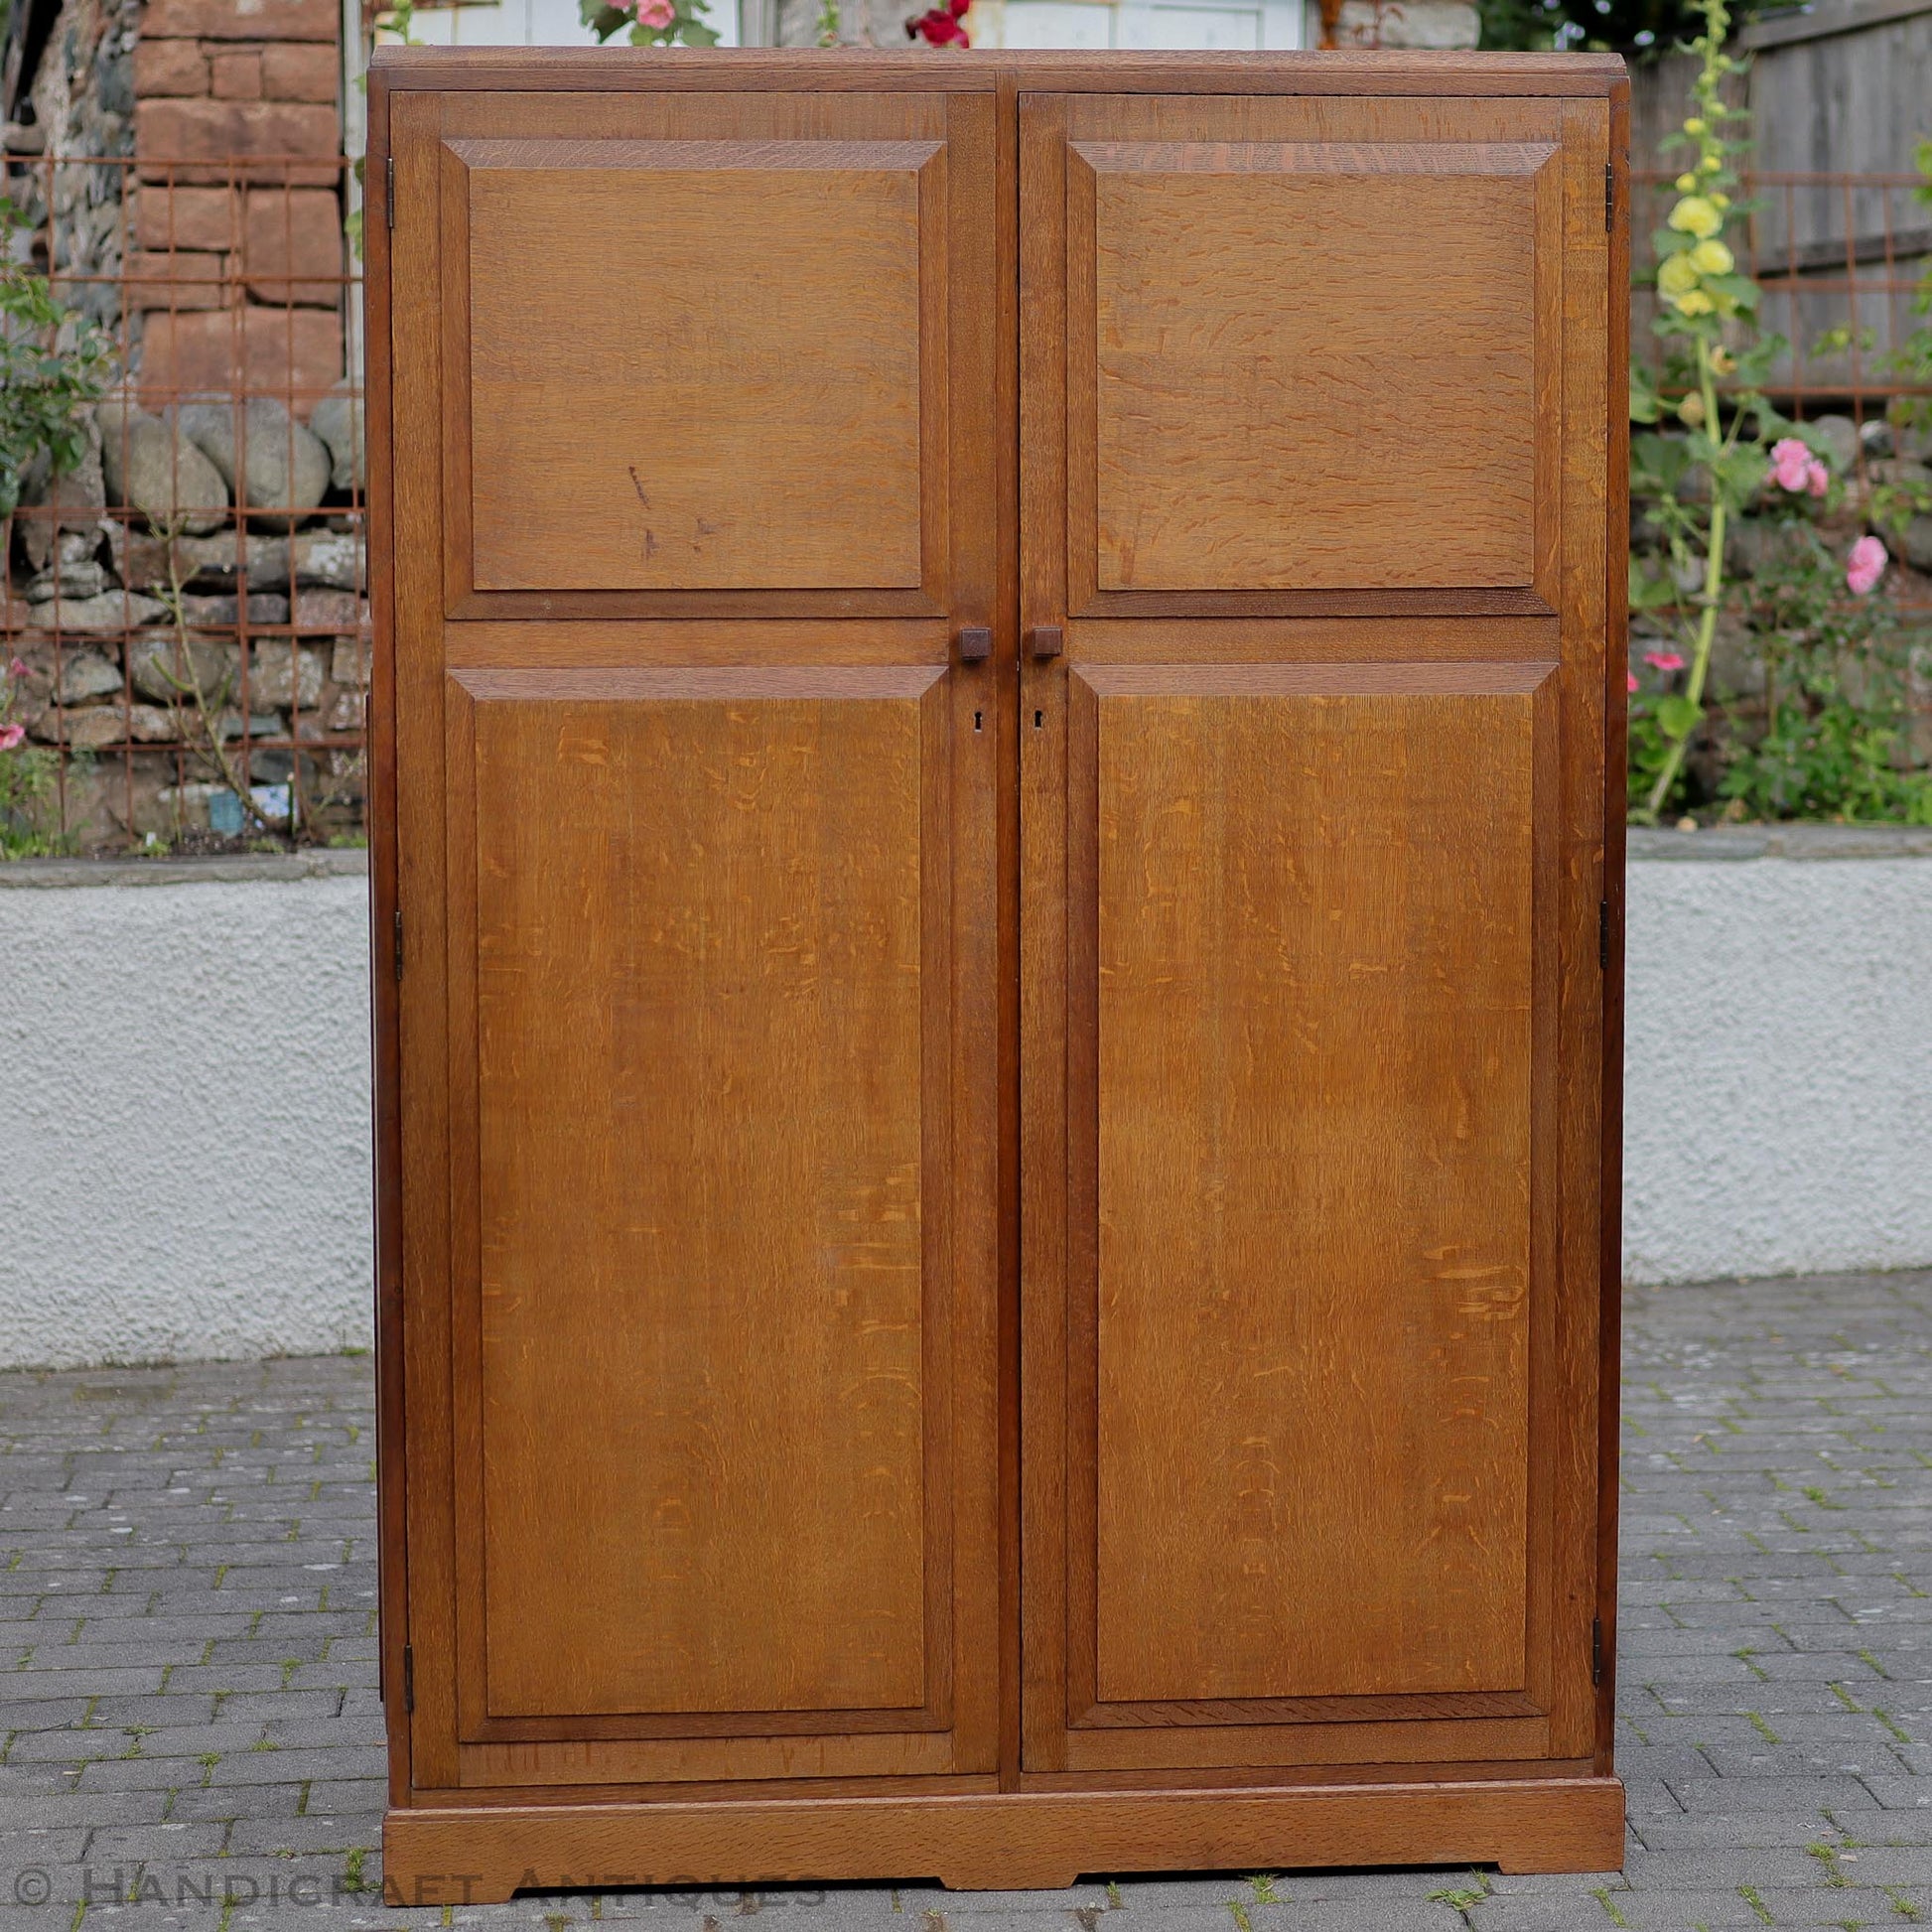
{"points": [[686, 771]]}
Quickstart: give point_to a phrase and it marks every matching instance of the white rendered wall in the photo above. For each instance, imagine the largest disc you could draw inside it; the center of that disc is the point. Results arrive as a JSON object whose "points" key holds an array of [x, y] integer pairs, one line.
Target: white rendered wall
{"points": [[184, 1116], [185, 1122], [1778, 1054]]}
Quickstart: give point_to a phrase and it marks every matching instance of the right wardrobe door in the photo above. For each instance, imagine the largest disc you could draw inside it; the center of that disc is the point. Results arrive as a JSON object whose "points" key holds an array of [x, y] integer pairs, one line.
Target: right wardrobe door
{"points": [[1314, 416]]}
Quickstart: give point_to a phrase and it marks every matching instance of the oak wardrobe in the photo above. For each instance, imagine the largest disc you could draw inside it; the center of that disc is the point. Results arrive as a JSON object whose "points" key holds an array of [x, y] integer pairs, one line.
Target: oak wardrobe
{"points": [[997, 792]]}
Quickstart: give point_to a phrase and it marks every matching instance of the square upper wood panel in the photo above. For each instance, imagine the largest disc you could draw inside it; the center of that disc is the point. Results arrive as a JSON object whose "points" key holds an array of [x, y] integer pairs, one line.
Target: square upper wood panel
{"points": [[699, 355], [1324, 347]]}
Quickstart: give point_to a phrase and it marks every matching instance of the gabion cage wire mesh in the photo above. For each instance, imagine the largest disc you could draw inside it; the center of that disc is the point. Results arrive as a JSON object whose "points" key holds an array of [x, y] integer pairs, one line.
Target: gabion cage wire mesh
{"points": [[186, 613]]}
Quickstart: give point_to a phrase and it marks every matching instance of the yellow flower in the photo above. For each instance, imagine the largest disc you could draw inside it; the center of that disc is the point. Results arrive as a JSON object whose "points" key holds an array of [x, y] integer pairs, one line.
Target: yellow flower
{"points": [[1677, 273], [1685, 182], [1694, 303], [1709, 164], [1691, 409], [1695, 215], [1722, 362], [1695, 125], [1713, 258], [1718, 201]]}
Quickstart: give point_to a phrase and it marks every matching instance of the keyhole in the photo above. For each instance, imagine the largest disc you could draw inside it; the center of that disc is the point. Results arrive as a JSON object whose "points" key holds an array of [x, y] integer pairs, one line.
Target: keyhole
{"points": [[1039, 718], [977, 725]]}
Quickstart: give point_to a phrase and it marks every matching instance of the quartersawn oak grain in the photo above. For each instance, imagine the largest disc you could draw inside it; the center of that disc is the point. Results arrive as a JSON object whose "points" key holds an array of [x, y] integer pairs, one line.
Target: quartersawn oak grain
{"points": [[1254, 430], [1200, 1027], [670, 445], [1221, 1384], [698, 1063], [1003, 1840], [1315, 983], [717, 1070]]}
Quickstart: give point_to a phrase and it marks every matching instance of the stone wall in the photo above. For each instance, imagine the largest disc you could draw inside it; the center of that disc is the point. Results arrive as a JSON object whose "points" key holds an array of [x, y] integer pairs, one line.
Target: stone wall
{"points": [[230, 217], [1403, 23], [171, 718], [229, 93]]}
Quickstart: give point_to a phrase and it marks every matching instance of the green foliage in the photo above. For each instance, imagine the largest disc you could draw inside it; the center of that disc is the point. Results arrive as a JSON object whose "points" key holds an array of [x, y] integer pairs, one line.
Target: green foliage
{"points": [[51, 365], [1914, 360], [27, 780], [1631, 27], [1834, 697], [1831, 739]]}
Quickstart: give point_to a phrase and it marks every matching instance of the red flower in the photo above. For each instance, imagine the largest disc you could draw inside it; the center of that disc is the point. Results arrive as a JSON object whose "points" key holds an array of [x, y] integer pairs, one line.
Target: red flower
{"points": [[940, 26]]}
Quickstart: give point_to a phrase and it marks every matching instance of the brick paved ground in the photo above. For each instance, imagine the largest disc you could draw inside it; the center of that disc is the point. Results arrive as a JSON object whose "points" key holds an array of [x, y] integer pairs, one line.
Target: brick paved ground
{"points": [[187, 1657]]}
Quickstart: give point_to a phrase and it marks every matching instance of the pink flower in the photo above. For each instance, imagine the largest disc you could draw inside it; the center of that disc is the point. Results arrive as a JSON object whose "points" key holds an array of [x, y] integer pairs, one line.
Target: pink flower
{"points": [[1663, 661], [1634, 680], [16, 669], [1818, 479], [1792, 466], [10, 736], [1866, 565], [656, 12]]}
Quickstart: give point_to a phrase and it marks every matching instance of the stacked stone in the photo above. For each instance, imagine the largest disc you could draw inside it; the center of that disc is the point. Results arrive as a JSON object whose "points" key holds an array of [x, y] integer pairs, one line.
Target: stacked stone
{"points": [[271, 638], [238, 260], [1400, 23]]}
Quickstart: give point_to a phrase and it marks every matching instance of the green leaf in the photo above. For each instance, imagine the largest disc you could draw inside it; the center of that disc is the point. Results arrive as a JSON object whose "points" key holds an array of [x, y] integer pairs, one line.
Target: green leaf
{"points": [[1649, 591], [1740, 288], [1645, 404], [1678, 716]]}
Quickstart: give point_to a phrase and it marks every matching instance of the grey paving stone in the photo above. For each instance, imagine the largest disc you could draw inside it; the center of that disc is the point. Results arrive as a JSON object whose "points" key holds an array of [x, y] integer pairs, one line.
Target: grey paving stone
{"points": [[975, 1906], [1908, 1793], [218, 1519], [1771, 1793]]}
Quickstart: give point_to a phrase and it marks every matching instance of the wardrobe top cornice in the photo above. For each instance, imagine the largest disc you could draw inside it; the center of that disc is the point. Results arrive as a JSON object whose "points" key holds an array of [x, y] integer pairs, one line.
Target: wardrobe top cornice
{"points": [[659, 69]]}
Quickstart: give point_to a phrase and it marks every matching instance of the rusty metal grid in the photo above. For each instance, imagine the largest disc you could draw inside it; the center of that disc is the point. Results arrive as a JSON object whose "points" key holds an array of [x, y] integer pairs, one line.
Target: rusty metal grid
{"points": [[274, 591], [1828, 251]]}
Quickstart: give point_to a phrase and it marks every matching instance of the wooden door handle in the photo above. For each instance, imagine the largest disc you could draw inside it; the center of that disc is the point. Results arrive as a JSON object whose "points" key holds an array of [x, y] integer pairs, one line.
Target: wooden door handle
{"points": [[1044, 640], [975, 643]]}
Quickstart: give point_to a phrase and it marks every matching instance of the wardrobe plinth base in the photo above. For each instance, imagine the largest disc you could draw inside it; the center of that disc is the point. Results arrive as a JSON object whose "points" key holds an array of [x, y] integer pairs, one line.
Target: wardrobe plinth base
{"points": [[437, 1854]]}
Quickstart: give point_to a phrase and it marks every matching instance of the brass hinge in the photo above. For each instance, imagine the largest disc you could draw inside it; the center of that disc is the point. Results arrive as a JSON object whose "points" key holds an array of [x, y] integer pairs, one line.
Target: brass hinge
{"points": [[1609, 197], [1602, 935], [399, 945], [409, 1679], [1596, 1651], [389, 188]]}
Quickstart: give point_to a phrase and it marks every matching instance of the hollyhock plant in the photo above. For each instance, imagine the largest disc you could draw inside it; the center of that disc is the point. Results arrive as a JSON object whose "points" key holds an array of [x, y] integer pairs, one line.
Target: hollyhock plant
{"points": [[1795, 469], [1742, 524], [10, 736], [1866, 565]]}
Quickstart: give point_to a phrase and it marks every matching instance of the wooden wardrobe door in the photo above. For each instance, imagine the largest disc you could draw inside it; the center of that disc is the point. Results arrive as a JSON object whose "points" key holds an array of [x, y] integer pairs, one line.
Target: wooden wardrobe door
{"points": [[1314, 401], [696, 815]]}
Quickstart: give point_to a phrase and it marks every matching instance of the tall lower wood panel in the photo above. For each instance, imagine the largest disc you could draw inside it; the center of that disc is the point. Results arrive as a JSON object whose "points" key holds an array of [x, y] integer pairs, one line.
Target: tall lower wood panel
{"points": [[988, 900], [1314, 1001]]}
